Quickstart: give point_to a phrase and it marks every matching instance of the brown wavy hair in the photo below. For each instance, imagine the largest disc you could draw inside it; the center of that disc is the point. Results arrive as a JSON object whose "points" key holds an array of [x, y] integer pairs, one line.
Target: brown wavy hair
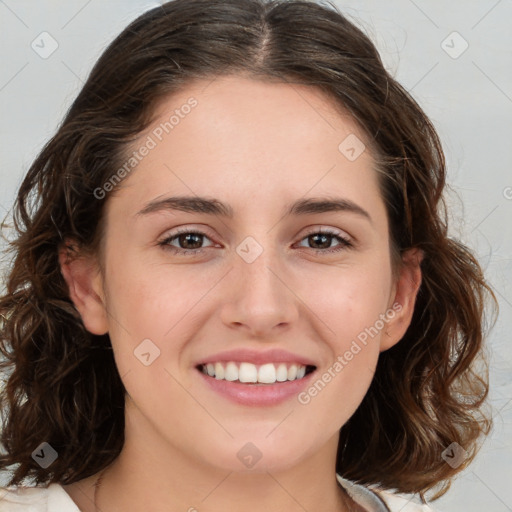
{"points": [[62, 385]]}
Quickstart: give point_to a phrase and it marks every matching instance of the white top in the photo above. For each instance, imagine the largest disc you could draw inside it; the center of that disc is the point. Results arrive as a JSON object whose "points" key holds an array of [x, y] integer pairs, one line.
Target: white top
{"points": [[55, 499]]}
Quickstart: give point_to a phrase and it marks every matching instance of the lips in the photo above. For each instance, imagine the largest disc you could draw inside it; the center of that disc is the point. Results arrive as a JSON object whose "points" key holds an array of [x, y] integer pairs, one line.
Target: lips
{"points": [[253, 377]]}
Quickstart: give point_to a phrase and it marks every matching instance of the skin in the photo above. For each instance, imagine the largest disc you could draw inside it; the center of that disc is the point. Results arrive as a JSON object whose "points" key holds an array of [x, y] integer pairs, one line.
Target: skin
{"points": [[255, 146]]}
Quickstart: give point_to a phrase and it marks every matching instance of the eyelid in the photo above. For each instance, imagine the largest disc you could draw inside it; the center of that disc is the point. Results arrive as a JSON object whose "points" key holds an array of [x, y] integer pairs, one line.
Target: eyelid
{"points": [[328, 230], [199, 228]]}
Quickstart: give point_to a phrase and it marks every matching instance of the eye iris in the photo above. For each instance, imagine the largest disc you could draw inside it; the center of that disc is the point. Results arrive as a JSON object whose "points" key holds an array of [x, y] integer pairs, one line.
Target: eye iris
{"points": [[187, 237], [323, 236]]}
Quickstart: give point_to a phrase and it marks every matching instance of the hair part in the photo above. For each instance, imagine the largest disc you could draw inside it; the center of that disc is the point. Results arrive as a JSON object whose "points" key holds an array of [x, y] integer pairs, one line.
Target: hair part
{"points": [[63, 385]]}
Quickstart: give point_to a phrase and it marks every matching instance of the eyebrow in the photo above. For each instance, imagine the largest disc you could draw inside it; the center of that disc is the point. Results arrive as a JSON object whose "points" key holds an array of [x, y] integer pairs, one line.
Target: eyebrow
{"points": [[211, 206]]}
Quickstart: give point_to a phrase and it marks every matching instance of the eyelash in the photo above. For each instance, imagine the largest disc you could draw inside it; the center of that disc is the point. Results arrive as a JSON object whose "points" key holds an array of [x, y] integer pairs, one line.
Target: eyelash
{"points": [[345, 243]]}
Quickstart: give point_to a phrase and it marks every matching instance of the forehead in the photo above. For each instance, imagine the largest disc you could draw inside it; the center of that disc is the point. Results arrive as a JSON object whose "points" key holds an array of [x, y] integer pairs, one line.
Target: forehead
{"points": [[233, 137], [226, 103]]}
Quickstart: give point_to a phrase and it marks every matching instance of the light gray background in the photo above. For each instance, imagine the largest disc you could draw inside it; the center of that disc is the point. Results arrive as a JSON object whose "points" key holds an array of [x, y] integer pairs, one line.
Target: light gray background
{"points": [[469, 99]]}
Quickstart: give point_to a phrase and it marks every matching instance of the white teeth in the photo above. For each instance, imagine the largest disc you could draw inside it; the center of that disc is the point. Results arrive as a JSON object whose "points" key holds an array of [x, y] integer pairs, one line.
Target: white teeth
{"points": [[219, 371], [292, 372], [268, 373], [231, 372], [248, 373], [282, 373]]}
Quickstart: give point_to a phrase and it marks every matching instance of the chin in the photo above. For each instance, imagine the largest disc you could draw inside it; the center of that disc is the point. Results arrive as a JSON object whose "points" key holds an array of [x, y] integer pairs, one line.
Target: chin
{"points": [[259, 455]]}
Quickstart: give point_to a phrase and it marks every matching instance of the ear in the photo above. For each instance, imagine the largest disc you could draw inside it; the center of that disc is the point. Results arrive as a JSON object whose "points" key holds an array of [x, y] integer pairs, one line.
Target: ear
{"points": [[85, 285], [403, 298]]}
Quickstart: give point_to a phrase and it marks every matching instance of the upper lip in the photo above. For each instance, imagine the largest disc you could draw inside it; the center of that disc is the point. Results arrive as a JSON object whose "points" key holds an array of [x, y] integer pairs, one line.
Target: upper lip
{"points": [[257, 357]]}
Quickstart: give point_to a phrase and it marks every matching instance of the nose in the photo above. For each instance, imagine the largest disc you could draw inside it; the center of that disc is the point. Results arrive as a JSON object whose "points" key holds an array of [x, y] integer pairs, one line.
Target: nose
{"points": [[259, 297]]}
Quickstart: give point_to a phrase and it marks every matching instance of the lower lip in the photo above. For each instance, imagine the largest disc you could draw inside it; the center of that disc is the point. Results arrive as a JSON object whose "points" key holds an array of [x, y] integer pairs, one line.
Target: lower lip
{"points": [[257, 394]]}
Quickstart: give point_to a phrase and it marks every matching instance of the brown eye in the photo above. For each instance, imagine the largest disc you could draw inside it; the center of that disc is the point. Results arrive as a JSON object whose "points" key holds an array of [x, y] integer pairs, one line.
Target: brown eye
{"points": [[190, 239], [189, 242], [321, 241]]}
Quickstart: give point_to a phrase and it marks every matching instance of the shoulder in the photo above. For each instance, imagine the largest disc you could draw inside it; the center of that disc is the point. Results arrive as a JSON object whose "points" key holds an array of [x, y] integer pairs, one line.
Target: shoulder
{"points": [[378, 500], [36, 499]]}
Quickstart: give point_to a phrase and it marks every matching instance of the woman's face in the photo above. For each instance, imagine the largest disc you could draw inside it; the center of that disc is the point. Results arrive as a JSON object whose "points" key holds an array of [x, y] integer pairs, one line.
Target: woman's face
{"points": [[258, 287]]}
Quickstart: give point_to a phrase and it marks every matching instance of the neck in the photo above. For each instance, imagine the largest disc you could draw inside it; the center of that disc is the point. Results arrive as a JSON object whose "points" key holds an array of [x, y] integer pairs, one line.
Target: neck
{"points": [[118, 490], [158, 476]]}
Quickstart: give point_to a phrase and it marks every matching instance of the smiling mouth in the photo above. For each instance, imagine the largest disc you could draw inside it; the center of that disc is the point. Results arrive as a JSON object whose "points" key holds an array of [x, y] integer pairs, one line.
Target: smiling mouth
{"points": [[248, 373]]}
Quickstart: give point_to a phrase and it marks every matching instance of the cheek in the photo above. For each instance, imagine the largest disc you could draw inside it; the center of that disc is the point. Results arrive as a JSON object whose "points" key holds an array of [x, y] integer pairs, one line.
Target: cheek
{"points": [[338, 390], [150, 297], [350, 301], [351, 313], [352, 305], [157, 302], [150, 324]]}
